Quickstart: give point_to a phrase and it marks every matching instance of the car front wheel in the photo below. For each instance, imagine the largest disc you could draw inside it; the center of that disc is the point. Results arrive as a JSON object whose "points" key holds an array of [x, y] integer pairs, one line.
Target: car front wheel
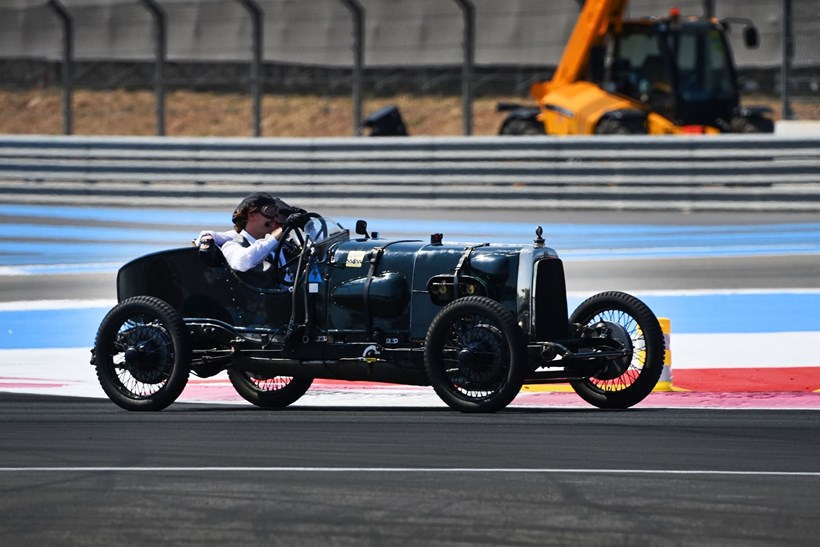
{"points": [[625, 381]]}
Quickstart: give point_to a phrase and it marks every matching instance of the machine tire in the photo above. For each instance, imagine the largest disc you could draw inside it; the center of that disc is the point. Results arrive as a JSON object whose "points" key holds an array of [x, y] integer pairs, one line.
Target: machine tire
{"points": [[458, 336], [521, 127], [142, 354], [636, 378], [611, 126], [753, 124], [276, 392]]}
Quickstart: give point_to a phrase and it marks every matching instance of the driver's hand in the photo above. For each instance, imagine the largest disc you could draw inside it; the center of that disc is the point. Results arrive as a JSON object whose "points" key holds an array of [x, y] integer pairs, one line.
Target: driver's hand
{"points": [[297, 220], [205, 242]]}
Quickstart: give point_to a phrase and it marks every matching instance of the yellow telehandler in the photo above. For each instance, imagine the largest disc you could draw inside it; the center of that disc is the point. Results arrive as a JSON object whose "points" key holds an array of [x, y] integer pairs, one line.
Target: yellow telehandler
{"points": [[654, 76]]}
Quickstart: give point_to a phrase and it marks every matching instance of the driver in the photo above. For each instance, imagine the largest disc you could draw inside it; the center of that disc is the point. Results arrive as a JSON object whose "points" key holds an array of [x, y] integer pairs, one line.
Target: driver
{"points": [[258, 225]]}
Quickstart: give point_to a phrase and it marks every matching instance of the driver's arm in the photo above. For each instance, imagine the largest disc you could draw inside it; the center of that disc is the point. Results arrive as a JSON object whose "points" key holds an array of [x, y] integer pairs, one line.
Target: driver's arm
{"points": [[243, 259], [218, 237]]}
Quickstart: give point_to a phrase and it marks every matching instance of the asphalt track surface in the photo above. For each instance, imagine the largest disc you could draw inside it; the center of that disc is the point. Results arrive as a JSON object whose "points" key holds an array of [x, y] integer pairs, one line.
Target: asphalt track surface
{"points": [[82, 472]]}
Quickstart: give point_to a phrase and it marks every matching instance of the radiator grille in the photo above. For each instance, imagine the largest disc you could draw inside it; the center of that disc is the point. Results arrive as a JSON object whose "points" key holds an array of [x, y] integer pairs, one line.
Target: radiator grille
{"points": [[550, 301]]}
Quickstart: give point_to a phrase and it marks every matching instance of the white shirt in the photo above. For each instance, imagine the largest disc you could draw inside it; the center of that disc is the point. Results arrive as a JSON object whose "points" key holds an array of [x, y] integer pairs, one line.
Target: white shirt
{"points": [[242, 258]]}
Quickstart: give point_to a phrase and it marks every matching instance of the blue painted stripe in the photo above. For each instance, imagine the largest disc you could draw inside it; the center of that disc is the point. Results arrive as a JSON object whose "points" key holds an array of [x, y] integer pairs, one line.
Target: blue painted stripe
{"points": [[25, 246], [221, 220], [94, 233], [162, 217], [35, 329], [571, 234], [690, 314], [70, 252], [72, 244]]}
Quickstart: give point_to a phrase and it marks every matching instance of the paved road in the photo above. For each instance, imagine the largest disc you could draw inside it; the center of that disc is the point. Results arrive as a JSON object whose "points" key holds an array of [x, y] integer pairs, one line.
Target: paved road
{"points": [[78, 471]]}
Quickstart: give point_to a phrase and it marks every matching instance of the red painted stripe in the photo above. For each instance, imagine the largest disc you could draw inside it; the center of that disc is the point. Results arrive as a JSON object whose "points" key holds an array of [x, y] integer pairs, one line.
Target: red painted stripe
{"points": [[724, 380], [671, 399]]}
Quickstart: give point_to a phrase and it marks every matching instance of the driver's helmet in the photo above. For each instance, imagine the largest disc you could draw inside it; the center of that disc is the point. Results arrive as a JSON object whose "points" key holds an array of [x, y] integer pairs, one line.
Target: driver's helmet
{"points": [[263, 202]]}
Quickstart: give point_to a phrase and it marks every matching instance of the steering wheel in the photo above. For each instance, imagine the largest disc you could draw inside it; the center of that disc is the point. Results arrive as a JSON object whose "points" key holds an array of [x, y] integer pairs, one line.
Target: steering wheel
{"points": [[298, 233]]}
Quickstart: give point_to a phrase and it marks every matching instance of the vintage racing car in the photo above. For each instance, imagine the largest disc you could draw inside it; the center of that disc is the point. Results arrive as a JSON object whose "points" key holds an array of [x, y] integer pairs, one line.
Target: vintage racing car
{"points": [[474, 321]]}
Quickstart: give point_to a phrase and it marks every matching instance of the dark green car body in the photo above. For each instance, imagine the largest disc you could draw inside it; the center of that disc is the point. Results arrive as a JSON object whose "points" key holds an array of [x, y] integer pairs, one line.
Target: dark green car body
{"points": [[474, 320]]}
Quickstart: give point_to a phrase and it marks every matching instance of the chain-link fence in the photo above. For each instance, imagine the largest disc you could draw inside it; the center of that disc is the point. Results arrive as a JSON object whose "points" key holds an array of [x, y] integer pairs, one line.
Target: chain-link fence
{"points": [[371, 48]]}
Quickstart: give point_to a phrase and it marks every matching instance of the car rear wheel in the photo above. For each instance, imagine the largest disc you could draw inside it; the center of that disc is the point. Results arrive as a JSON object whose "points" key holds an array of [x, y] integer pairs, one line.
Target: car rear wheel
{"points": [[475, 355], [276, 392], [142, 354], [625, 381]]}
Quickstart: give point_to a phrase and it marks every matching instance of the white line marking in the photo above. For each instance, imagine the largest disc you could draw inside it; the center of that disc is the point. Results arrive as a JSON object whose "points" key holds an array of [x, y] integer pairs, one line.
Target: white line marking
{"points": [[706, 292], [59, 269], [41, 305], [407, 470], [744, 350]]}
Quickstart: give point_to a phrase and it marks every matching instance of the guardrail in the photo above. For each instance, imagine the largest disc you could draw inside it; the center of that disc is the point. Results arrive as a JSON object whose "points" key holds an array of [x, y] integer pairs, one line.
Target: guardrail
{"points": [[726, 172]]}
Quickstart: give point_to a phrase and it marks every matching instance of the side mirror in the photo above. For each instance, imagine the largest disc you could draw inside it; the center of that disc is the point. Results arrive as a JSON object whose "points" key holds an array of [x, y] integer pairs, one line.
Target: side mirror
{"points": [[751, 37], [361, 228]]}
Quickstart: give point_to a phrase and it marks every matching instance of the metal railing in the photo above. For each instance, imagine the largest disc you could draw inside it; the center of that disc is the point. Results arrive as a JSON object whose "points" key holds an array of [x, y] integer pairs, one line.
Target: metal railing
{"points": [[727, 172]]}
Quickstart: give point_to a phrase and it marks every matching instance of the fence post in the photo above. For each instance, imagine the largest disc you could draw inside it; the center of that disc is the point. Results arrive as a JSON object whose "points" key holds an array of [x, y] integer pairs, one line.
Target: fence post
{"points": [[468, 45], [256, 14], [357, 12], [709, 8], [160, 46], [787, 47], [67, 64]]}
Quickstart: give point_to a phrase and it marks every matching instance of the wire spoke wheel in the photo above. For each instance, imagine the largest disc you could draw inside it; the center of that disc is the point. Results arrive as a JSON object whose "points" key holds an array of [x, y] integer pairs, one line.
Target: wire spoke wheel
{"points": [[475, 355], [621, 373], [268, 392], [144, 356], [627, 322], [141, 354]]}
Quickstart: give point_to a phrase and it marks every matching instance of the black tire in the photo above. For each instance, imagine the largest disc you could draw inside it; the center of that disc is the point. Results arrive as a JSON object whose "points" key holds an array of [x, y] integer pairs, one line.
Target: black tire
{"points": [[520, 127], [142, 354], [475, 355], [276, 392], [752, 124], [627, 382], [612, 126]]}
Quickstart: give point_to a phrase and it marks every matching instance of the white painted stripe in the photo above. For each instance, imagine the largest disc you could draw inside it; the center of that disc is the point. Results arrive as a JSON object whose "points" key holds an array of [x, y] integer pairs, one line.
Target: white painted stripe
{"points": [[745, 350], [704, 292], [39, 305], [488, 470], [683, 252]]}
